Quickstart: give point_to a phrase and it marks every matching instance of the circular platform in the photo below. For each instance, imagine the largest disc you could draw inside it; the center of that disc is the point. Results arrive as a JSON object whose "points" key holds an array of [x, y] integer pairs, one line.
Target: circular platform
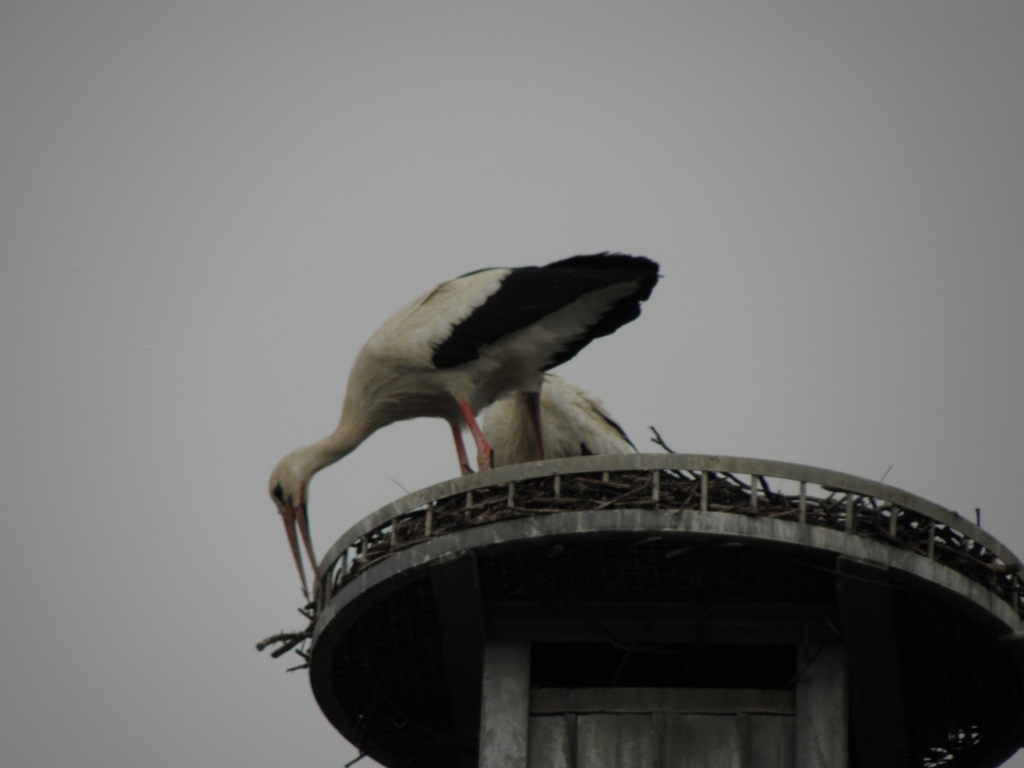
{"points": [[689, 571]]}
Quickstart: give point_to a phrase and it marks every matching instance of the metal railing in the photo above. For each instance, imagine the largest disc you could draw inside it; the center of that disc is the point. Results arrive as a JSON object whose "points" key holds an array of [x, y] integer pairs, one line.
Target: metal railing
{"points": [[685, 481]]}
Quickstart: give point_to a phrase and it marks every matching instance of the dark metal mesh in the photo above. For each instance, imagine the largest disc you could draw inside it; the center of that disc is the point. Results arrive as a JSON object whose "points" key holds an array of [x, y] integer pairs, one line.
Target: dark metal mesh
{"points": [[389, 676], [689, 665], [961, 691], [655, 570]]}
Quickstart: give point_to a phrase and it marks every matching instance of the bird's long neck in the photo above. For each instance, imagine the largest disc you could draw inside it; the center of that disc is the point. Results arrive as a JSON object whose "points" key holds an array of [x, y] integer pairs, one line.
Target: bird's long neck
{"points": [[345, 439]]}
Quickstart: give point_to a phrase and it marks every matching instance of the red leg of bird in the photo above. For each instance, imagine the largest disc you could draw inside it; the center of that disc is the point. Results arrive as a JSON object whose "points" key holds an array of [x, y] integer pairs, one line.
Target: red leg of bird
{"points": [[532, 400], [483, 448], [289, 529], [460, 448]]}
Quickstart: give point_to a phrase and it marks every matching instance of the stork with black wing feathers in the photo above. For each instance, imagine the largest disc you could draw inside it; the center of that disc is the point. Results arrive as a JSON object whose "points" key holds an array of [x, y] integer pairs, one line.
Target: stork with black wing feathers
{"points": [[456, 349]]}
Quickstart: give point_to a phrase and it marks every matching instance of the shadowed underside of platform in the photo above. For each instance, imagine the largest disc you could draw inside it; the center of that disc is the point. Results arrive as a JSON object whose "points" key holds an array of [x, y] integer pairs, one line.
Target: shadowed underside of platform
{"points": [[962, 693]]}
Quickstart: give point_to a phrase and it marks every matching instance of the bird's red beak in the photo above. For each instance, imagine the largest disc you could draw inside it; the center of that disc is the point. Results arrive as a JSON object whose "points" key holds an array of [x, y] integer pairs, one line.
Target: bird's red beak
{"points": [[295, 516]]}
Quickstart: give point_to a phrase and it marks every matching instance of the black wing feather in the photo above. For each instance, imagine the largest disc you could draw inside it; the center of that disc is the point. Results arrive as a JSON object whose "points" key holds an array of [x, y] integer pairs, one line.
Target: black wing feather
{"points": [[622, 433], [528, 294]]}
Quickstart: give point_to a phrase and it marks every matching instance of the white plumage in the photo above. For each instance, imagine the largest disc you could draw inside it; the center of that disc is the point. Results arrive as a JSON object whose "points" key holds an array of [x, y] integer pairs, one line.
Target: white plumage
{"points": [[459, 347], [573, 423]]}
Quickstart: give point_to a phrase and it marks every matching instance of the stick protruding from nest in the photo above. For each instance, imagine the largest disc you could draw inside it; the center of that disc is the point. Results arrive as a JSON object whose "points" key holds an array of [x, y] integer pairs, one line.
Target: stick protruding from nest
{"points": [[658, 440], [288, 641]]}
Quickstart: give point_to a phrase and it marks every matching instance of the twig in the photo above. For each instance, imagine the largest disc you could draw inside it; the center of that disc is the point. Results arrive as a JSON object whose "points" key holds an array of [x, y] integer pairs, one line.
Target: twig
{"points": [[657, 440], [288, 639], [280, 637]]}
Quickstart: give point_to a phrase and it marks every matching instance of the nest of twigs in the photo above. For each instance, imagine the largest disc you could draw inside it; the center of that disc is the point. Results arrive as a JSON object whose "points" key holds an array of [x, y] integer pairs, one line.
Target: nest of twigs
{"points": [[682, 490]]}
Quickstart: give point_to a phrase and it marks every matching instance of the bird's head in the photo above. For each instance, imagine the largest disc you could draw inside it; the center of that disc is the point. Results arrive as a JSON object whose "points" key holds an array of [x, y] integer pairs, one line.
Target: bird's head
{"points": [[288, 490]]}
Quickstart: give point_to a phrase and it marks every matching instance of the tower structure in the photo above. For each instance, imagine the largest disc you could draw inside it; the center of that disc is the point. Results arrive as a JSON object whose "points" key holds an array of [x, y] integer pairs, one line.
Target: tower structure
{"points": [[670, 610]]}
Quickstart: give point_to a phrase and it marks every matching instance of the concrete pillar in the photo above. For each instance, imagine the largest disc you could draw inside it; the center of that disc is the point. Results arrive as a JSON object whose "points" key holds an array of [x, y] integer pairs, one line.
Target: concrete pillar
{"points": [[821, 730], [505, 705]]}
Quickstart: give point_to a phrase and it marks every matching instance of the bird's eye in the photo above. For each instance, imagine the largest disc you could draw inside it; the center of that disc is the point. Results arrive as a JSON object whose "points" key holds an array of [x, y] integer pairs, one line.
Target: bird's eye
{"points": [[279, 493]]}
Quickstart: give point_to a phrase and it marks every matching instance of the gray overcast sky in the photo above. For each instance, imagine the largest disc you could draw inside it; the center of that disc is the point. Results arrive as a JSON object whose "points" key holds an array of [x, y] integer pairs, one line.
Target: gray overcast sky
{"points": [[207, 207]]}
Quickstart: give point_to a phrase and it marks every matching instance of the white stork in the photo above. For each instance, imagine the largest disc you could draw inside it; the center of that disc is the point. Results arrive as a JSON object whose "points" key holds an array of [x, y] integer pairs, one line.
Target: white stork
{"points": [[573, 421], [460, 346]]}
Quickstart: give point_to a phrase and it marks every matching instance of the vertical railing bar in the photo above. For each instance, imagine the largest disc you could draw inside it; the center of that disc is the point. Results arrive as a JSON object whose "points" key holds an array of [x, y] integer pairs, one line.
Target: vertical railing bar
{"points": [[656, 485], [753, 492], [849, 511], [511, 495], [803, 501], [605, 477], [704, 490], [469, 499], [394, 532], [558, 486], [894, 514], [931, 541], [322, 588], [428, 520]]}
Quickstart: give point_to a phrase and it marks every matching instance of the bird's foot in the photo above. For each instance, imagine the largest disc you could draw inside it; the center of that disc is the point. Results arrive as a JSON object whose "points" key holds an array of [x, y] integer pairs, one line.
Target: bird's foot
{"points": [[485, 461]]}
